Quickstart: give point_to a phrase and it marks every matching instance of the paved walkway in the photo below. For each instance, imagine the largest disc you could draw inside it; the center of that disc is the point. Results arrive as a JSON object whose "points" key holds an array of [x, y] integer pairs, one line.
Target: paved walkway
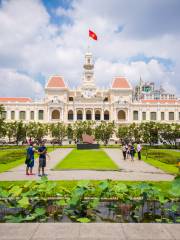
{"points": [[132, 171], [90, 231]]}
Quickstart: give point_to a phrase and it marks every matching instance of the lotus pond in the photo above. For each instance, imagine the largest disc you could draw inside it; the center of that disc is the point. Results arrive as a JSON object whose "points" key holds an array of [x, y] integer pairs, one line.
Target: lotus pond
{"points": [[45, 201]]}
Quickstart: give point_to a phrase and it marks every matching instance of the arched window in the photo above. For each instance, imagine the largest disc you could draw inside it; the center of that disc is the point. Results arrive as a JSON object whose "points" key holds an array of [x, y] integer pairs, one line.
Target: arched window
{"points": [[79, 115], [88, 115], [70, 115], [106, 115], [55, 115], [97, 115], [121, 115]]}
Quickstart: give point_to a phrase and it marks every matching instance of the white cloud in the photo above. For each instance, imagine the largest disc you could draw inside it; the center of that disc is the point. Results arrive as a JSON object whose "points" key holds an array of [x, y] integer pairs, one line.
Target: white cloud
{"points": [[151, 71], [31, 43], [17, 84]]}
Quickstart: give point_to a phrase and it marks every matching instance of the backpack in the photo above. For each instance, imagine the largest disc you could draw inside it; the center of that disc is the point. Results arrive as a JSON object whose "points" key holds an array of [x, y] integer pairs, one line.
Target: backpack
{"points": [[28, 157]]}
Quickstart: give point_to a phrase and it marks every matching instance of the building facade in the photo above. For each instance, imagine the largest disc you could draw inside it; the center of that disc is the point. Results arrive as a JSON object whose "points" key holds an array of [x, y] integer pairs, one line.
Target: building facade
{"points": [[120, 103]]}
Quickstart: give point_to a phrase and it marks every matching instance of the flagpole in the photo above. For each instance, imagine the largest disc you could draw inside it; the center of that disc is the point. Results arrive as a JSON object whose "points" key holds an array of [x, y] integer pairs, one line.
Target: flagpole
{"points": [[88, 43]]}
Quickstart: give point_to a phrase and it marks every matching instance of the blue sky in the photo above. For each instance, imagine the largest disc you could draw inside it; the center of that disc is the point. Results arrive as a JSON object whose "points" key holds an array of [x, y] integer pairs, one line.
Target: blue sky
{"points": [[40, 38]]}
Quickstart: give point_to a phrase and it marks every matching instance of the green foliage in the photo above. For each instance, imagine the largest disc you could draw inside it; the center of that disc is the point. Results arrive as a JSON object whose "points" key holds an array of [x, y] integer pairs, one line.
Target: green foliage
{"points": [[69, 132], [24, 202], [123, 133], [15, 191], [2, 122], [175, 189], [83, 127], [36, 131], [146, 132], [58, 130], [169, 133], [104, 131], [83, 220], [81, 204]]}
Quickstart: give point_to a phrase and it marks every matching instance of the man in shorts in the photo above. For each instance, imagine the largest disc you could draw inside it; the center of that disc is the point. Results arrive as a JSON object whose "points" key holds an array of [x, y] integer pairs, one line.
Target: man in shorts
{"points": [[30, 159], [42, 150]]}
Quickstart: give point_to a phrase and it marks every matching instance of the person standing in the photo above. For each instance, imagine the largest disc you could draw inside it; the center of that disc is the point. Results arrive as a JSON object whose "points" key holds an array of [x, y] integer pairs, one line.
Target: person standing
{"points": [[139, 148], [132, 152], [42, 150], [124, 151], [30, 159]]}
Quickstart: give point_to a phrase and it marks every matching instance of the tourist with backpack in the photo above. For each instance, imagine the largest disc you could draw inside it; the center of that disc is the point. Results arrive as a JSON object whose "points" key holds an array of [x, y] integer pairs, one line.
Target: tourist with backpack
{"points": [[30, 159], [132, 152]]}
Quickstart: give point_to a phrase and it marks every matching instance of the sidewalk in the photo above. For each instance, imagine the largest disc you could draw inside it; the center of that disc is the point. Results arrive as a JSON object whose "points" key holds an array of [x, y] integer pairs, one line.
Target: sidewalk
{"points": [[130, 171], [89, 231]]}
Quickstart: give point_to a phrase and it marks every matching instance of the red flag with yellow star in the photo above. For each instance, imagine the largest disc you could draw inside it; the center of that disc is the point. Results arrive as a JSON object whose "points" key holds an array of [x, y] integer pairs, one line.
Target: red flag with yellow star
{"points": [[92, 35]]}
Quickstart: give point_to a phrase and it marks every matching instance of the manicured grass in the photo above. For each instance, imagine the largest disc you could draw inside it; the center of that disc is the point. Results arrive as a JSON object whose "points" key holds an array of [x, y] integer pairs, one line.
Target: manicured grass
{"points": [[70, 184], [10, 158], [164, 159], [87, 159]]}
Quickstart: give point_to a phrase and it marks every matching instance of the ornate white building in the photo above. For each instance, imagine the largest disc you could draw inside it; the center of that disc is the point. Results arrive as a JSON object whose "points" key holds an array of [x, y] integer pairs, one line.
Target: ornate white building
{"points": [[91, 103]]}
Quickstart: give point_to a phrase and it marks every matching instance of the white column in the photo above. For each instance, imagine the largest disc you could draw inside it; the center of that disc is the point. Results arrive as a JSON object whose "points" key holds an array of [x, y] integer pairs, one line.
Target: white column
{"points": [[27, 115], [62, 114], [93, 115], [75, 115], [8, 114], [158, 114], [140, 115], [102, 114], [16, 115], [84, 114], [176, 115], [148, 115], [127, 116], [36, 115]]}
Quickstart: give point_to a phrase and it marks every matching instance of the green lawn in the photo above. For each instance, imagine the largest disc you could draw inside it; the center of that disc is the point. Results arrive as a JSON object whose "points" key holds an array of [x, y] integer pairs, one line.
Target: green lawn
{"points": [[164, 159], [87, 159], [10, 158]]}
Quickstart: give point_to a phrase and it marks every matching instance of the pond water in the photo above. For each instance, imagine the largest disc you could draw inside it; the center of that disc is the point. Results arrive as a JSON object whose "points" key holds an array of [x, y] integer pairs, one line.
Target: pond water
{"points": [[106, 211]]}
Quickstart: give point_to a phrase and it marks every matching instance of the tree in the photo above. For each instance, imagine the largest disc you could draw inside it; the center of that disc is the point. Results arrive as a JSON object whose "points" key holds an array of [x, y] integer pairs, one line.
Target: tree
{"points": [[19, 131], [135, 132], [169, 133], [69, 132], [85, 127], [32, 130], [149, 132], [123, 133], [2, 122], [104, 131], [41, 131], [1, 110], [10, 130], [58, 131], [37, 131]]}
